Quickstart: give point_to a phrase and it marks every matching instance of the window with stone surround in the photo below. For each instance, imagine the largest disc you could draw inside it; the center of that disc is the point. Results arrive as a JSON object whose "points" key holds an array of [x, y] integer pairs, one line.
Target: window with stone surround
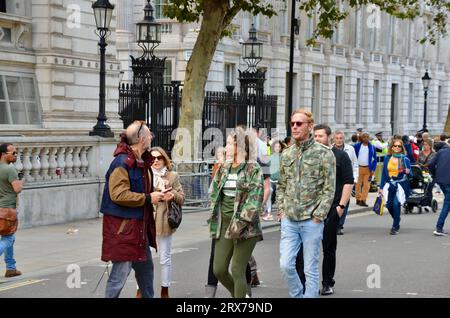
{"points": [[339, 100], [392, 35], [357, 28], [16, 7], [358, 101], [284, 23], [440, 105], [167, 77], [18, 100], [159, 9], [229, 74], [411, 113], [376, 101], [256, 21], [316, 96]]}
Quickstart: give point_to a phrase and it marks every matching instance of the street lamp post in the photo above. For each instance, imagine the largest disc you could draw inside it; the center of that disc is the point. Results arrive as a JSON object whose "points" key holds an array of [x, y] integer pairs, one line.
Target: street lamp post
{"points": [[103, 13], [426, 83], [252, 83], [291, 69], [148, 33], [252, 51]]}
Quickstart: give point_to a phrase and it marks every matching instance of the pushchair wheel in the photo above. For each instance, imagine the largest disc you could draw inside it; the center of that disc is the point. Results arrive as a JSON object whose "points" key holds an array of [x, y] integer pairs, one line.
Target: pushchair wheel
{"points": [[408, 208], [434, 206]]}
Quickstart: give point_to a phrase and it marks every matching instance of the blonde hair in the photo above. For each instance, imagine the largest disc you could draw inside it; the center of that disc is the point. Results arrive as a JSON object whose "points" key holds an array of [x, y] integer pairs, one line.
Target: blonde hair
{"points": [[304, 112], [163, 153], [392, 144]]}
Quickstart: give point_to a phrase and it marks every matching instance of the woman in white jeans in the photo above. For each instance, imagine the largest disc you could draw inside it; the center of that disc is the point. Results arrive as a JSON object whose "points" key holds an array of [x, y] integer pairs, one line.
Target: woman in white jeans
{"points": [[165, 179]]}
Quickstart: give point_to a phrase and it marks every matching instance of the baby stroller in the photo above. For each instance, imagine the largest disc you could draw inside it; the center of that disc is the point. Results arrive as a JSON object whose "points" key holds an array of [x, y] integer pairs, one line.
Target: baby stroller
{"points": [[421, 195]]}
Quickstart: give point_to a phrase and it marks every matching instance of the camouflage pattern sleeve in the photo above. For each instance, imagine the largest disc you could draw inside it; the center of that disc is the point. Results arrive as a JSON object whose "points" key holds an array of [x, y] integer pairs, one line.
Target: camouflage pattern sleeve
{"points": [[253, 202], [329, 176], [281, 188], [214, 196]]}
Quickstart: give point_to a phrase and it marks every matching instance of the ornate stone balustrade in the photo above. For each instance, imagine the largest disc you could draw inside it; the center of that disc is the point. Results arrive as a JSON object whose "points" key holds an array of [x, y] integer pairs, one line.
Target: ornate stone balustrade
{"points": [[50, 162], [49, 159], [64, 175]]}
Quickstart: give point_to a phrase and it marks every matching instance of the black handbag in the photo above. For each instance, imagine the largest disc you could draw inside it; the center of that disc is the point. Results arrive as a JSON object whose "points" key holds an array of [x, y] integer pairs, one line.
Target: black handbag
{"points": [[174, 215]]}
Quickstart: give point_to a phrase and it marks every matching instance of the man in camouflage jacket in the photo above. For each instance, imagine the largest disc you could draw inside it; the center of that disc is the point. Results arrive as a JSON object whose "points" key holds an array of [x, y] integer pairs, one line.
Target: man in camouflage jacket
{"points": [[305, 193]]}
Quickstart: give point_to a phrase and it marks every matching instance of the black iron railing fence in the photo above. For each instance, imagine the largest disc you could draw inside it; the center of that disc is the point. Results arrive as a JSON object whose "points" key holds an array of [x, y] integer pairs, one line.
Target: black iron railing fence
{"points": [[222, 110]]}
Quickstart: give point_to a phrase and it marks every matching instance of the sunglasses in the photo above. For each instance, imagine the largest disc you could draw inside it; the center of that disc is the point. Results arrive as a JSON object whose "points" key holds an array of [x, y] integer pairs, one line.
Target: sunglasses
{"points": [[159, 158], [139, 131], [396, 146], [152, 135], [298, 123], [12, 153]]}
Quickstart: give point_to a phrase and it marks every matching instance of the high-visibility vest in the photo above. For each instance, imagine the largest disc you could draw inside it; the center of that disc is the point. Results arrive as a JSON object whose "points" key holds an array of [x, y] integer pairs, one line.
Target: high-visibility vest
{"points": [[385, 149]]}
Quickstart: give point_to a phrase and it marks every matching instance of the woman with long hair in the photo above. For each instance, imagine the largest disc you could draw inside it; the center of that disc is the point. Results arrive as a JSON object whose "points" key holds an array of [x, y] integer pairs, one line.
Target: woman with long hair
{"points": [[236, 202], [394, 183], [165, 180]]}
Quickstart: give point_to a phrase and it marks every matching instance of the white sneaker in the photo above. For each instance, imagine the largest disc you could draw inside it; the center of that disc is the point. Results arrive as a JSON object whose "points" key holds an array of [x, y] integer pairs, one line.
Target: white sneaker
{"points": [[440, 233]]}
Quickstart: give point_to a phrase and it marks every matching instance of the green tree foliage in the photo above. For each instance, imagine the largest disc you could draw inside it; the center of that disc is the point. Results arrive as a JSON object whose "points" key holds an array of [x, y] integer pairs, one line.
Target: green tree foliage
{"points": [[216, 16], [330, 13]]}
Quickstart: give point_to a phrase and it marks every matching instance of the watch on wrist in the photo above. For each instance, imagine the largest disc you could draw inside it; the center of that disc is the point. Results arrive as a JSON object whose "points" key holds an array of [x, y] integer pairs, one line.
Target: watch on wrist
{"points": [[341, 206]]}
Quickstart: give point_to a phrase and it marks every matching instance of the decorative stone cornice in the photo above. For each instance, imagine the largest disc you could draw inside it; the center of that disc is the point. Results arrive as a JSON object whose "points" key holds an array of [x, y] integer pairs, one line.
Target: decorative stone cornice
{"points": [[77, 62]]}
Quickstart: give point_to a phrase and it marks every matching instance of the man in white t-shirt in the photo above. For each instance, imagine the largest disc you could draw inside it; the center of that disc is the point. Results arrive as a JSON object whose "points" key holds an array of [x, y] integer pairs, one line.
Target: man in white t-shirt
{"points": [[367, 161]]}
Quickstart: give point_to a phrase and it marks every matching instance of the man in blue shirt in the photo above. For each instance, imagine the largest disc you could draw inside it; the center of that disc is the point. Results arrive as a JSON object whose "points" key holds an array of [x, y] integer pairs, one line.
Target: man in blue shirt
{"points": [[367, 161]]}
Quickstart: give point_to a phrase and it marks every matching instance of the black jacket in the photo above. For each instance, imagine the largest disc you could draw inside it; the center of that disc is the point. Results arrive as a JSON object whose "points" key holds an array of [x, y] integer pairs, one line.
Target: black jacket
{"points": [[439, 167]]}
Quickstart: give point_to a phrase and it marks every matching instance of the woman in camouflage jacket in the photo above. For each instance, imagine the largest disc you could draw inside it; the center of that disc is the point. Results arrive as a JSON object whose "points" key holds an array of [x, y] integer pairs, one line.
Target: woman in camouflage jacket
{"points": [[236, 203]]}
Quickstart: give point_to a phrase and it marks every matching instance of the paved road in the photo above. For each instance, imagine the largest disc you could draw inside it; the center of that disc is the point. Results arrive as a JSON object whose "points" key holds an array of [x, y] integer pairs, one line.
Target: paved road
{"points": [[411, 264]]}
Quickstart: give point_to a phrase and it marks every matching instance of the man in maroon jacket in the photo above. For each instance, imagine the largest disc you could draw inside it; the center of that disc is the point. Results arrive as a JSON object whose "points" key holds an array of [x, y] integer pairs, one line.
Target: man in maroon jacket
{"points": [[128, 223]]}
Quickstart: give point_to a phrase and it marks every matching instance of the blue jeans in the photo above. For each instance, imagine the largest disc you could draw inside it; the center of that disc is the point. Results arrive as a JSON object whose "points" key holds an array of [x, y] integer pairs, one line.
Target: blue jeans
{"points": [[121, 270], [7, 246], [293, 234], [445, 207], [394, 207]]}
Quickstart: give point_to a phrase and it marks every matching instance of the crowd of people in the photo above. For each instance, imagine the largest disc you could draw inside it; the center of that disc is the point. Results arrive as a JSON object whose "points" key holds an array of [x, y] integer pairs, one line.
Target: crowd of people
{"points": [[309, 175]]}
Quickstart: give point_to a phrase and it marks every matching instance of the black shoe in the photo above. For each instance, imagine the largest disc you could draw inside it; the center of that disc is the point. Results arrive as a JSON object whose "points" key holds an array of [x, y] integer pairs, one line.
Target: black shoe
{"points": [[339, 232], [393, 232], [362, 203], [255, 281], [327, 290]]}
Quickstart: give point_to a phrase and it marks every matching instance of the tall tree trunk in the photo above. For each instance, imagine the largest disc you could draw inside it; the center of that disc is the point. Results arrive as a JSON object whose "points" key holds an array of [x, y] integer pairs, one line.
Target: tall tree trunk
{"points": [[196, 75]]}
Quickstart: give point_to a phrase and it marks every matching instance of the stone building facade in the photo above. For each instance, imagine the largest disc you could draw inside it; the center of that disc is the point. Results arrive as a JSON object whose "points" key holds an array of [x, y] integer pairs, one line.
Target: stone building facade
{"points": [[49, 86], [368, 75]]}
